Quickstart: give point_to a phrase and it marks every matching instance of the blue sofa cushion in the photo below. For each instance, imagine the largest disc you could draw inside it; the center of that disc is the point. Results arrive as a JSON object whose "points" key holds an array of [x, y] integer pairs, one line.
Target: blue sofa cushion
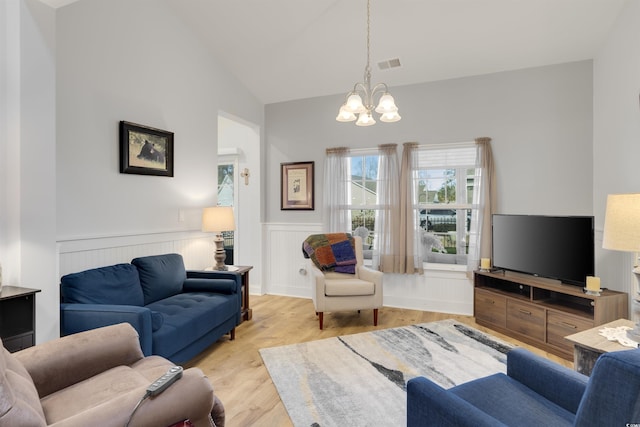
{"points": [[188, 317], [220, 286], [613, 390], [157, 320], [161, 276], [116, 284], [497, 395]]}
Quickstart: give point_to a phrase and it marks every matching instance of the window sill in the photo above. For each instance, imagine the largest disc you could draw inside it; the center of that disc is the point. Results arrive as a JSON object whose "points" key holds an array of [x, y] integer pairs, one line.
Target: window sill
{"points": [[434, 266]]}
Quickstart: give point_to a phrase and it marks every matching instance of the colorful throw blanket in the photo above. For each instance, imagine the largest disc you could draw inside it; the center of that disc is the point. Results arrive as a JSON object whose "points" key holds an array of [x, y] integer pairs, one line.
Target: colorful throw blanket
{"points": [[331, 252]]}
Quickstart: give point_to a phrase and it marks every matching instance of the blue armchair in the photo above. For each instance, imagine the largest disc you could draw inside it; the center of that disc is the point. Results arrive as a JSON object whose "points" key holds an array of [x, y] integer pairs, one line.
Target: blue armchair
{"points": [[177, 313], [534, 392]]}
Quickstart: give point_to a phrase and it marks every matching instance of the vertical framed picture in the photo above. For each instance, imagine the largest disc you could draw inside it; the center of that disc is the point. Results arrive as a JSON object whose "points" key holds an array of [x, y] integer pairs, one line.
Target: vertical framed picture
{"points": [[297, 186], [145, 150]]}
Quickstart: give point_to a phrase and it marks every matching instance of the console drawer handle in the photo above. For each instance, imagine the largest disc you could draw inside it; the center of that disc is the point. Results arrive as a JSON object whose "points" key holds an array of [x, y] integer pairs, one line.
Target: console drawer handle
{"points": [[523, 311], [568, 325]]}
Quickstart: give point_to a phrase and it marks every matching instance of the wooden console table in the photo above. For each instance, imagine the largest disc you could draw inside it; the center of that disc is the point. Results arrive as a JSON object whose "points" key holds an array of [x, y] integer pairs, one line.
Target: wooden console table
{"points": [[18, 317]]}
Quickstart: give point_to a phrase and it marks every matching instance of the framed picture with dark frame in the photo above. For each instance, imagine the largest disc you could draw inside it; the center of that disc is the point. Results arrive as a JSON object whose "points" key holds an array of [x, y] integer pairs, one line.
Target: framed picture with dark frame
{"points": [[145, 150], [296, 186]]}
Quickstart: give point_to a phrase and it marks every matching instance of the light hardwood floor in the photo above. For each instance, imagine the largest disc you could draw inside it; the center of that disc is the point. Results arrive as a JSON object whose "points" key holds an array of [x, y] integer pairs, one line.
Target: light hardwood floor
{"points": [[241, 380]]}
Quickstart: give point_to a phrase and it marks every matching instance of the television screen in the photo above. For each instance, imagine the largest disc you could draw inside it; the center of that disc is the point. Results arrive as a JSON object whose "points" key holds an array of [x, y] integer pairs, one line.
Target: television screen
{"points": [[556, 247]]}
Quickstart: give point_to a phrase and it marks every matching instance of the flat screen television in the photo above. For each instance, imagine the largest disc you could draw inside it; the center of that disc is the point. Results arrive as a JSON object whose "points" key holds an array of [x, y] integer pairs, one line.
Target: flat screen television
{"points": [[556, 247]]}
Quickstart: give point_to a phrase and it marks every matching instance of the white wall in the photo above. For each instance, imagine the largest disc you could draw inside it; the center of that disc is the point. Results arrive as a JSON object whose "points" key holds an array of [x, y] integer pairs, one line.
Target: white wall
{"points": [[616, 134], [133, 60], [27, 145], [540, 120]]}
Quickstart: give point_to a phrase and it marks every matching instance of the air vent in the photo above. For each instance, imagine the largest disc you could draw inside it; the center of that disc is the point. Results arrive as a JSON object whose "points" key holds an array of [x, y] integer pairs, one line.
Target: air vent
{"points": [[389, 63]]}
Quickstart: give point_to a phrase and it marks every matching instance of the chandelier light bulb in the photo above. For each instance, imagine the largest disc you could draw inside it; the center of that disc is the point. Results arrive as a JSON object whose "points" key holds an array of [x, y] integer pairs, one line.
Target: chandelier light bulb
{"points": [[365, 119], [344, 115], [354, 104], [386, 104], [390, 117]]}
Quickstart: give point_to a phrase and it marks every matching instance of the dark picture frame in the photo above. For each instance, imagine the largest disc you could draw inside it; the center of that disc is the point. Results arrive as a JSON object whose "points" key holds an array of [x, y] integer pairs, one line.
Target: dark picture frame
{"points": [[145, 150], [297, 186]]}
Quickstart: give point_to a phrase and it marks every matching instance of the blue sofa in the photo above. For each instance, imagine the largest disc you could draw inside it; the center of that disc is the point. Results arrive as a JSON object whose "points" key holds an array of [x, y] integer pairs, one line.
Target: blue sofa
{"points": [[534, 392], [177, 313]]}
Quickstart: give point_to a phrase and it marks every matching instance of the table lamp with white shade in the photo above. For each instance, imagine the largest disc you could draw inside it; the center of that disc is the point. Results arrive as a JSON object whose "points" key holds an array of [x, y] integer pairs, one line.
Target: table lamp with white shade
{"points": [[218, 219], [622, 233]]}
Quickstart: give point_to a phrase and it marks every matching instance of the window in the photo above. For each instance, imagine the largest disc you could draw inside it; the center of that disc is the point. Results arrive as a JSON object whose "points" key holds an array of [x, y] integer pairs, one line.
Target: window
{"points": [[362, 190], [443, 201], [361, 194]]}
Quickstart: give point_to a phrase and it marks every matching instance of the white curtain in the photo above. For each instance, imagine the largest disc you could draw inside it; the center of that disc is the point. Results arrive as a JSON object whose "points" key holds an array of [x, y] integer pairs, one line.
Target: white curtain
{"points": [[336, 191], [410, 247], [483, 201], [387, 239]]}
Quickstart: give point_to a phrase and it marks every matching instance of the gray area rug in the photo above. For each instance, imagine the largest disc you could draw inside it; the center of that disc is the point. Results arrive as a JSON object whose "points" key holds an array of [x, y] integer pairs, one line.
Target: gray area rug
{"points": [[360, 379]]}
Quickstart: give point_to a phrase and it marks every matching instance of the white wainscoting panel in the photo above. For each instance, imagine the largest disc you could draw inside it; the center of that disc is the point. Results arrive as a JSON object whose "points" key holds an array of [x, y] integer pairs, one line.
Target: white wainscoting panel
{"points": [[435, 290], [75, 255], [285, 268]]}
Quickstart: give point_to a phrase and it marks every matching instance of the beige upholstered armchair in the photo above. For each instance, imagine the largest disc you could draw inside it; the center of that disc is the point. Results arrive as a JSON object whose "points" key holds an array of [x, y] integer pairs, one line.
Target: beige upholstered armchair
{"points": [[96, 378], [342, 292]]}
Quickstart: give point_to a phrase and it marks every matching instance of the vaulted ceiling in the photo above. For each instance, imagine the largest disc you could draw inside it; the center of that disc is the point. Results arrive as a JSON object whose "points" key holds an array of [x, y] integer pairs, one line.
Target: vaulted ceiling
{"points": [[293, 49]]}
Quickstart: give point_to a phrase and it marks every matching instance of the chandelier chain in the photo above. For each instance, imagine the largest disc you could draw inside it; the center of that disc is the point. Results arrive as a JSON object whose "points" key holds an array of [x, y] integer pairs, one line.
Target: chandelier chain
{"points": [[368, 68]]}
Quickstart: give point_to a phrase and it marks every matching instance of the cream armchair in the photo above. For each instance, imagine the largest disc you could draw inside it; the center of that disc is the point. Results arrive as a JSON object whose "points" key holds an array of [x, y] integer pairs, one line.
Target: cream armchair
{"points": [[342, 292]]}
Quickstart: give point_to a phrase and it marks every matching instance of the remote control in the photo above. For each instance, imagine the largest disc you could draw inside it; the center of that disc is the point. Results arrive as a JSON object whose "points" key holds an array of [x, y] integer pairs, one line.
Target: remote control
{"points": [[161, 384]]}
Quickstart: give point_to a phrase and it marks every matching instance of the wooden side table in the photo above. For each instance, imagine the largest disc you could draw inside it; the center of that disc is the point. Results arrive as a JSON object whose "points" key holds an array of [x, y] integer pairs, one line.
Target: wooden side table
{"points": [[243, 270], [18, 317], [589, 345]]}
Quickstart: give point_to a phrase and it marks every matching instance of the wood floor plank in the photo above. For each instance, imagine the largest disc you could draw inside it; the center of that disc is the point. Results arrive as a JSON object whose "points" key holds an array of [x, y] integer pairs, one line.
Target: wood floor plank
{"points": [[241, 380]]}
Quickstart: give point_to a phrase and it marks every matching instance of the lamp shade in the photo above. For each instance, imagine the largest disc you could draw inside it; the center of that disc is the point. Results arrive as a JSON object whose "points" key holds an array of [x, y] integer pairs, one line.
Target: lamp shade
{"points": [[622, 223], [218, 218]]}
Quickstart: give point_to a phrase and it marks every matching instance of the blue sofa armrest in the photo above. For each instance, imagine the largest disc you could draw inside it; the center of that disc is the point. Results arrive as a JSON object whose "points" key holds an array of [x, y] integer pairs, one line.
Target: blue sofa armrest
{"points": [[83, 317], [551, 380], [224, 282], [430, 404]]}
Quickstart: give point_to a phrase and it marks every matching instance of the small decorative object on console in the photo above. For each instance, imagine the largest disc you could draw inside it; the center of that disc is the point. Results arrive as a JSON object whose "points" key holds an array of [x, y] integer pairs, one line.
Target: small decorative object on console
{"points": [[593, 286], [619, 334]]}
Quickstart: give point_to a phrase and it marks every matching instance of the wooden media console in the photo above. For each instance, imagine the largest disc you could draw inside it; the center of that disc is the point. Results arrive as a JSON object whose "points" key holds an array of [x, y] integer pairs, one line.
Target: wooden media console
{"points": [[541, 312]]}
